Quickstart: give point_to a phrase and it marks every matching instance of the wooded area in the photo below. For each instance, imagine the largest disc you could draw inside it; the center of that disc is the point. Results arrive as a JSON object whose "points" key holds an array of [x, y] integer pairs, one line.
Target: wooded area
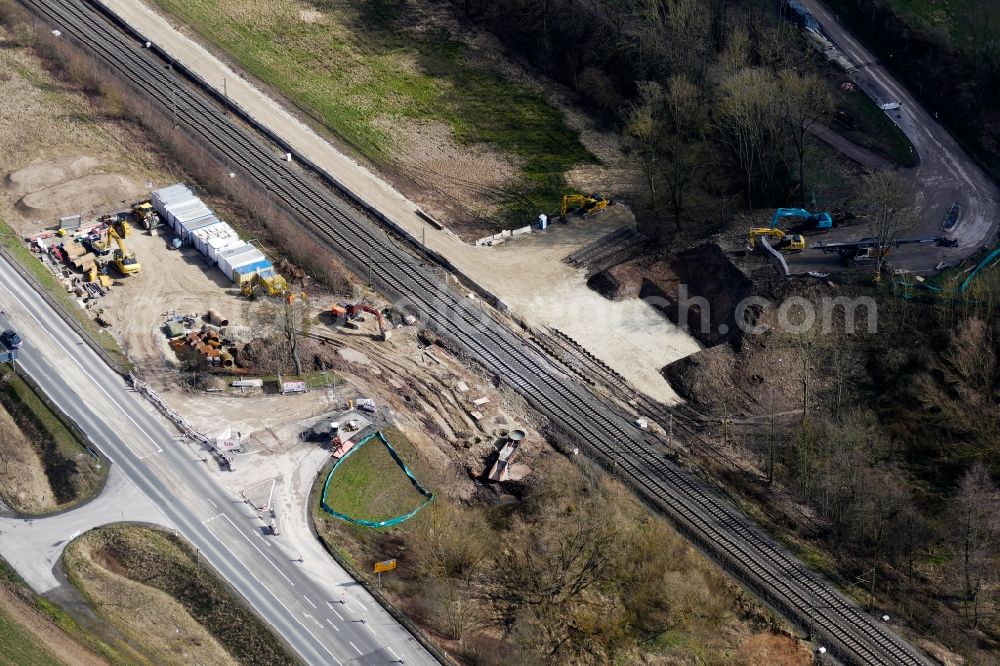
{"points": [[715, 98]]}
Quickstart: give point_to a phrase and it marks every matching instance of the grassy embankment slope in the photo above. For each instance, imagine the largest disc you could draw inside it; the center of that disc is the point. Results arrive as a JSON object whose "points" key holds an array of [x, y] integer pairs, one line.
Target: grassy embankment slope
{"points": [[34, 632], [188, 614], [361, 69], [470, 571], [45, 465]]}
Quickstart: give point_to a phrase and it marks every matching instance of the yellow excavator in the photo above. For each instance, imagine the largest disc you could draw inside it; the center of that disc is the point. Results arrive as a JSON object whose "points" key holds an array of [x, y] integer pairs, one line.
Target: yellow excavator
{"points": [[583, 204], [786, 242], [125, 260]]}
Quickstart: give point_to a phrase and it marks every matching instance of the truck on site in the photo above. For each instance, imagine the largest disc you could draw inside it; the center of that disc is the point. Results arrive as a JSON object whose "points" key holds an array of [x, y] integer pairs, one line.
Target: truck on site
{"points": [[865, 250], [144, 214], [810, 222], [786, 242]]}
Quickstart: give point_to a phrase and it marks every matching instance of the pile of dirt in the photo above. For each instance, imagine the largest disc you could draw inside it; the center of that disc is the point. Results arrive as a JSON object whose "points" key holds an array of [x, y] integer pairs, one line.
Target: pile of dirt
{"points": [[701, 378], [702, 274], [100, 191], [40, 175], [681, 286]]}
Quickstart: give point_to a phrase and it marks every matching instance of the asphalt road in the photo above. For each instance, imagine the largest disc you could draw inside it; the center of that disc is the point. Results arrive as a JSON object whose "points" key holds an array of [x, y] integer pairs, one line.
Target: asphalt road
{"points": [[325, 615], [946, 173]]}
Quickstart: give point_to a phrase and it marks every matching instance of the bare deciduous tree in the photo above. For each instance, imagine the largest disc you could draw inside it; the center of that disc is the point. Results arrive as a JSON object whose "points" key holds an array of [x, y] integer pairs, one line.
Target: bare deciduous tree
{"points": [[976, 526], [887, 197], [749, 121], [806, 101]]}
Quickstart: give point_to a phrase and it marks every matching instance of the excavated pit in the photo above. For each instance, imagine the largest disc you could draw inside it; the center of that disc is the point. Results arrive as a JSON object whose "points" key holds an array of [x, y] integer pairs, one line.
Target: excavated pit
{"points": [[698, 289]]}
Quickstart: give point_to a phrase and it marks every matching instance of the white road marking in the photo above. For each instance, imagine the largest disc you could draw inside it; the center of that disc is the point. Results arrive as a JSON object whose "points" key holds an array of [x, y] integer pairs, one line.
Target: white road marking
{"points": [[318, 624], [308, 601], [274, 596], [330, 622], [261, 552], [339, 616], [210, 519], [211, 502], [355, 647], [98, 384]]}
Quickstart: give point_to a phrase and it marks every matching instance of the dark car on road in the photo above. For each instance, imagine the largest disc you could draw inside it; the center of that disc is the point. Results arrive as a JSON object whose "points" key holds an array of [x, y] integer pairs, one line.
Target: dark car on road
{"points": [[11, 340]]}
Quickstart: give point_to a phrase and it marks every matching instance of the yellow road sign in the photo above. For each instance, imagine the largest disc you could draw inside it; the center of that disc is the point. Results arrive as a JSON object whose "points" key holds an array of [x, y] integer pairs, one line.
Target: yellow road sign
{"points": [[387, 565]]}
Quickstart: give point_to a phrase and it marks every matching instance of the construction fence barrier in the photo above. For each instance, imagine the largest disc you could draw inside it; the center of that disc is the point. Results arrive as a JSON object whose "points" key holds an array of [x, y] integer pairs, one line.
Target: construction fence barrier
{"points": [[389, 522]]}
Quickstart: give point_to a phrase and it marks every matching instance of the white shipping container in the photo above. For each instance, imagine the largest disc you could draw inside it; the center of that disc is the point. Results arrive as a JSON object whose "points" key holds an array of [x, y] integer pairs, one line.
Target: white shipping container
{"points": [[220, 244], [191, 216], [175, 214], [222, 238], [247, 264], [202, 222], [239, 257], [199, 237], [172, 208], [163, 197]]}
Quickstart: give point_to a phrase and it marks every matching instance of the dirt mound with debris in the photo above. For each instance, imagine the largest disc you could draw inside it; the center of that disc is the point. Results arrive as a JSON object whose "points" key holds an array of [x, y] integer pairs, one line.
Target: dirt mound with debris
{"points": [[81, 195], [701, 377], [40, 175], [680, 288], [704, 294]]}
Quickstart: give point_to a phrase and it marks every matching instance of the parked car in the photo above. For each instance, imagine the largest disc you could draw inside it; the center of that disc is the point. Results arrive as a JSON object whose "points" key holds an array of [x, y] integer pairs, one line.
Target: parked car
{"points": [[11, 340]]}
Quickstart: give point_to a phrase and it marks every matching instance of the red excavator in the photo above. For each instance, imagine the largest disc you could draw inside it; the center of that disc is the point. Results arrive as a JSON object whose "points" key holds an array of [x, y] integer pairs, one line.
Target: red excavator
{"points": [[351, 312]]}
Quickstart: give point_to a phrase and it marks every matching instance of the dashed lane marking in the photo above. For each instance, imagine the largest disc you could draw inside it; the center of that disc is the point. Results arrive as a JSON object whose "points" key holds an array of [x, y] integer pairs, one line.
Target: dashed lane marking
{"points": [[268, 559]]}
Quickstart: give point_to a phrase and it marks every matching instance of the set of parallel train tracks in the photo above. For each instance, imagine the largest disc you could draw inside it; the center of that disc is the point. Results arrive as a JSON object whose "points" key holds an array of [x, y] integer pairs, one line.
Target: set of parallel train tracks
{"points": [[713, 523]]}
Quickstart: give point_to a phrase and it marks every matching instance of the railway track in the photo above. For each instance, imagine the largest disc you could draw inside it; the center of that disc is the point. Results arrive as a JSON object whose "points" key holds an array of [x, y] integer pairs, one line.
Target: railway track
{"points": [[708, 519]]}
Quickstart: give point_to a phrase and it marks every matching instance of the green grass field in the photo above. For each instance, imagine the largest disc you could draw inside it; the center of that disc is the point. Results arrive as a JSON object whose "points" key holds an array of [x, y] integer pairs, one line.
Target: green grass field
{"points": [[362, 65], [19, 647], [873, 129], [370, 485]]}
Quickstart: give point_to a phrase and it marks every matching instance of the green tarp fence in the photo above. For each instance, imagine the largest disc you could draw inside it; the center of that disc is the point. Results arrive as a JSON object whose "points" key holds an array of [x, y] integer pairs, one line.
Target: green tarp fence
{"points": [[389, 522]]}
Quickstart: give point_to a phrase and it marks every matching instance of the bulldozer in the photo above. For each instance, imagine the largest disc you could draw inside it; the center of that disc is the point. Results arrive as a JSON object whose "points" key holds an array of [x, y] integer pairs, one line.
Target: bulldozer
{"points": [[582, 204], [786, 242], [271, 284], [144, 214]]}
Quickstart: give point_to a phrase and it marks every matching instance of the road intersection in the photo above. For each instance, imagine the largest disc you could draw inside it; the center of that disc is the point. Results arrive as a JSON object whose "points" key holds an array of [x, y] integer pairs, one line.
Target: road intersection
{"points": [[156, 477]]}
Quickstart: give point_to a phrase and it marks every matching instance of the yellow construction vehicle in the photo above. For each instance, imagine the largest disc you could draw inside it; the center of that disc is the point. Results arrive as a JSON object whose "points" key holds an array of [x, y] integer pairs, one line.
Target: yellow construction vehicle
{"points": [[272, 285], [125, 261], [786, 242], [144, 214], [583, 204]]}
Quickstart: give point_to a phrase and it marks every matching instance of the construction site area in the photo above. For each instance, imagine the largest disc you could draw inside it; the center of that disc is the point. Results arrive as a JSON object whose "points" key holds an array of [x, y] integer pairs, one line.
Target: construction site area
{"points": [[503, 417]]}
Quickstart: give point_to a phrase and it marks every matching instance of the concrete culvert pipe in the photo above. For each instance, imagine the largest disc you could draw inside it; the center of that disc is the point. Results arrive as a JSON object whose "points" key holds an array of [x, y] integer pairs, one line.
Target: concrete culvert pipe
{"points": [[227, 359], [217, 318]]}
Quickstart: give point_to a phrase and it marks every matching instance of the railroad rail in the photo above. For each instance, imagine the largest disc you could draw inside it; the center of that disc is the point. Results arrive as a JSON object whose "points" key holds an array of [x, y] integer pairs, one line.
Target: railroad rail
{"points": [[713, 523]]}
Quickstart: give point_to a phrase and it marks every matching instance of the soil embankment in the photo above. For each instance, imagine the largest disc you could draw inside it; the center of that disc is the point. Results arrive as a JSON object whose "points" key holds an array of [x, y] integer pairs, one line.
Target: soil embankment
{"points": [[45, 465], [699, 289], [189, 615]]}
